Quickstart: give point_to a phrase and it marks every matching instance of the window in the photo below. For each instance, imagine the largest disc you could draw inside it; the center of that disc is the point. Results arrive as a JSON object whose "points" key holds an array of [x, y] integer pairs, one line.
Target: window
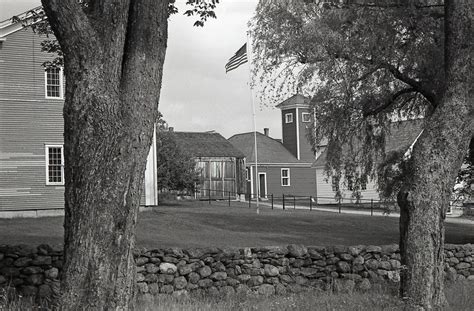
{"points": [[285, 176], [247, 173], [54, 164], [335, 183], [350, 183], [289, 118], [306, 117], [54, 82]]}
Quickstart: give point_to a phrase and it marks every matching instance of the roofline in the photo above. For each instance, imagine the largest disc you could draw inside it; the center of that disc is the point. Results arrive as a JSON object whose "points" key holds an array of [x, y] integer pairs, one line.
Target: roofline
{"points": [[9, 26], [302, 164], [294, 105], [247, 133]]}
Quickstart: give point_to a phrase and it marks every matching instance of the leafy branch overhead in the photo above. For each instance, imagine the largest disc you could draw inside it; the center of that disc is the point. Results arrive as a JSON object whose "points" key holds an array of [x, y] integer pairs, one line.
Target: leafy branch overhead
{"points": [[36, 18], [363, 64]]}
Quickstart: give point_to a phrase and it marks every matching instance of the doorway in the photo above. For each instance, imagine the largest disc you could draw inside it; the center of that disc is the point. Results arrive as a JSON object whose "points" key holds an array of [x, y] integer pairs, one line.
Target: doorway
{"points": [[262, 184]]}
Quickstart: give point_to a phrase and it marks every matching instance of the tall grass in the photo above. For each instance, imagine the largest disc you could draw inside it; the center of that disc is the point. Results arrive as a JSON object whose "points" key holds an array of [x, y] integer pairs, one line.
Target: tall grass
{"points": [[460, 297]]}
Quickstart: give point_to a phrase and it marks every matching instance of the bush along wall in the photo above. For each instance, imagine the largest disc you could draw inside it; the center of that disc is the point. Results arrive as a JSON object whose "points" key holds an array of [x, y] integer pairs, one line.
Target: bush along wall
{"points": [[213, 271]]}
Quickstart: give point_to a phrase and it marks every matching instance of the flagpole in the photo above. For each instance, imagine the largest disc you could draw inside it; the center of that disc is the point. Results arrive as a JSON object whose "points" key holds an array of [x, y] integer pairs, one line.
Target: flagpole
{"points": [[257, 180]]}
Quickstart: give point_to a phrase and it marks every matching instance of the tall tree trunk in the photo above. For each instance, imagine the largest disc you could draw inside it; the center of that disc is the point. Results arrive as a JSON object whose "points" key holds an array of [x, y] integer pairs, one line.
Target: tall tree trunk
{"points": [[436, 159], [114, 54]]}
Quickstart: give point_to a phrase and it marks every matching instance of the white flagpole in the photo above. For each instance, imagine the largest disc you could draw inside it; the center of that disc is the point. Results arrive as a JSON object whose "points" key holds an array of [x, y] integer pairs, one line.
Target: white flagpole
{"points": [[257, 179]]}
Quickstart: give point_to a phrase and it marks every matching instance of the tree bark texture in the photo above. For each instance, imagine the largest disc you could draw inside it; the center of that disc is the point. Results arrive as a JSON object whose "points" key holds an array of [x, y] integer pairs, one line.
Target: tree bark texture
{"points": [[437, 157], [114, 53]]}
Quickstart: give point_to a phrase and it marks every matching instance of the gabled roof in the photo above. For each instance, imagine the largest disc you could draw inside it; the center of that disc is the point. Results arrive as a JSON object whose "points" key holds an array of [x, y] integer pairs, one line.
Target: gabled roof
{"points": [[295, 101], [205, 144], [29, 17], [402, 135], [269, 150]]}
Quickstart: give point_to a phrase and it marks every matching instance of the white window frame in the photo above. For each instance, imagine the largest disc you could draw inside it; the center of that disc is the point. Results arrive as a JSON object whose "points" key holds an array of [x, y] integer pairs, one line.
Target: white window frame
{"points": [[285, 177], [61, 84], [289, 117], [46, 153], [334, 184], [306, 114]]}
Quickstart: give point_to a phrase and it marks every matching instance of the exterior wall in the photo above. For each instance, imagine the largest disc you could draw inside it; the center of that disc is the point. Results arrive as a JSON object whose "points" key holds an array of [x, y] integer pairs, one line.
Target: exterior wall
{"points": [[302, 180], [28, 121], [306, 154], [218, 175], [326, 195], [289, 132]]}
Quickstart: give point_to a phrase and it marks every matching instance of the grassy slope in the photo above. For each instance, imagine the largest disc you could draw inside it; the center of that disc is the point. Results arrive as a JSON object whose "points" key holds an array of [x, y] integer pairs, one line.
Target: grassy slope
{"points": [[199, 225]]}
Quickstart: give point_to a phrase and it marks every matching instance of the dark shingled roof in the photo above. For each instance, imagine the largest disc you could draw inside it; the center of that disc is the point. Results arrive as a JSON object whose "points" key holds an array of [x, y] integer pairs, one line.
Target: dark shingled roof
{"points": [[269, 150], [205, 144], [402, 135]]}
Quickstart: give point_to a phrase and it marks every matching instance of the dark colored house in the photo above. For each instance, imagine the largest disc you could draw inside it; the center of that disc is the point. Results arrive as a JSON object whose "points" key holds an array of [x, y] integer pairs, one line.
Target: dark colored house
{"points": [[221, 166], [283, 166]]}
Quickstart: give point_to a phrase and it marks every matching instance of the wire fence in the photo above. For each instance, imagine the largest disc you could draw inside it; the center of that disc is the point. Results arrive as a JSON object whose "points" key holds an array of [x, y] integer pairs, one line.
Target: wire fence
{"points": [[288, 201]]}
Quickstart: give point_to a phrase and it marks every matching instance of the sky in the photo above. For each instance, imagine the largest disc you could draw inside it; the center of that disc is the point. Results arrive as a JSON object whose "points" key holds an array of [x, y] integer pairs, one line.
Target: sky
{"points": [[197, 94]]}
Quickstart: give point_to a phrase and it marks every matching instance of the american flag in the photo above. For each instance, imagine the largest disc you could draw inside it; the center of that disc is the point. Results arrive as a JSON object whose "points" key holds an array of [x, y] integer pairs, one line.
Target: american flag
{"points": [[238, 59]]}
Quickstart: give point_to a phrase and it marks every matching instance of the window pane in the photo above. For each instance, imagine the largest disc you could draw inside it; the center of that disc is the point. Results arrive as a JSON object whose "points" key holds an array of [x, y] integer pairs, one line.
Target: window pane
{"points": [[53, 82], [55, 165], [306, 117]]}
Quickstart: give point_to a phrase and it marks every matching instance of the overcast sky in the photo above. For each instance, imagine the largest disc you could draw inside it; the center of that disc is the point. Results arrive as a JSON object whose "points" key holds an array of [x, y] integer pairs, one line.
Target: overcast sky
{"points": [[197, 94]]}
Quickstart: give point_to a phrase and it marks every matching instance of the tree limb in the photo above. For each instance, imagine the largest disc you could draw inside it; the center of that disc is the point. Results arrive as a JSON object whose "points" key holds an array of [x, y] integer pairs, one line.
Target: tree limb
{"points": [[77, 33], [388, 102], [416, 85]]}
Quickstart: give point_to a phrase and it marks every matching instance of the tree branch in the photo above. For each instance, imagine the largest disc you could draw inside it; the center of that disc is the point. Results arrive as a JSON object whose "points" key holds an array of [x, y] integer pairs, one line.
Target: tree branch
{"points": [[76, 33], [145, 44], [388, 102], [416, 85]]}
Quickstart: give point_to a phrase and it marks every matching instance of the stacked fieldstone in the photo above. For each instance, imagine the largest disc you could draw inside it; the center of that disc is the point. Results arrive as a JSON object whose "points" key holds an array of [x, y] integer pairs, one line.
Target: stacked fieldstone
{"points": [[261, 270], [266, 270], [34, 271], [459, 262]]}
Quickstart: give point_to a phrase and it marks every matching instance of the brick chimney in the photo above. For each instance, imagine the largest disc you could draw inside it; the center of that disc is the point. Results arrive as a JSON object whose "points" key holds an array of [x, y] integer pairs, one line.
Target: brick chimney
{"points": [[266, 131]]}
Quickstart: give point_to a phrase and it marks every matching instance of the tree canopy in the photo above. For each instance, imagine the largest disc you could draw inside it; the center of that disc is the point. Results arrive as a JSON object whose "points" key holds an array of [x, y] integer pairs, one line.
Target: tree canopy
{"points": [[363, 64], [366, 64]]}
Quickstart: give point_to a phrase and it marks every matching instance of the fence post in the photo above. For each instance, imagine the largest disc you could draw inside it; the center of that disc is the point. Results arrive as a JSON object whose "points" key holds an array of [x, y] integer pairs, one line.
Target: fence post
{"points": [[229, 197], [311, 203], [250, 199], [339, 205], [371, 207], [283, 201], [272, 200], [209, 196], [294, 202]]}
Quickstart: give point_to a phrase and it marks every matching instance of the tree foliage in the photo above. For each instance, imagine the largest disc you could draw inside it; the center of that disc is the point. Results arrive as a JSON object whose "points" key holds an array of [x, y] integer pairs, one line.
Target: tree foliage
{"points": [[366, 64], [176, 169], [363, 64]]}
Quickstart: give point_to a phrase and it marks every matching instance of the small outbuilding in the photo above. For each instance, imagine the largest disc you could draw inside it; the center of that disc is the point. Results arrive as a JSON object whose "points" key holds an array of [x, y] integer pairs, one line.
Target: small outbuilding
{"points": [[221, 166]]}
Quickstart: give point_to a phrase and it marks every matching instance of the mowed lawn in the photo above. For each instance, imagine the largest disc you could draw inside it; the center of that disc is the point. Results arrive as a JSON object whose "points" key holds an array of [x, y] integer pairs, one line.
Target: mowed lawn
{"points": [[197, 224]]}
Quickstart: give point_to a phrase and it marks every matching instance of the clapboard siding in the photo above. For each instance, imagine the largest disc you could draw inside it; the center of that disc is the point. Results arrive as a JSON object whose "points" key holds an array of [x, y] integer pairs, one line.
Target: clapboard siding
{"points": [[326, 194], [290, 140], [28, 121], [302, 180]]}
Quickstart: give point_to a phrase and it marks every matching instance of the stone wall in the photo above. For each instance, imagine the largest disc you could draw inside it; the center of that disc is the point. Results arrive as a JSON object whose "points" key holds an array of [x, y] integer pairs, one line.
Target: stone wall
{"points": [[262, 270]]}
